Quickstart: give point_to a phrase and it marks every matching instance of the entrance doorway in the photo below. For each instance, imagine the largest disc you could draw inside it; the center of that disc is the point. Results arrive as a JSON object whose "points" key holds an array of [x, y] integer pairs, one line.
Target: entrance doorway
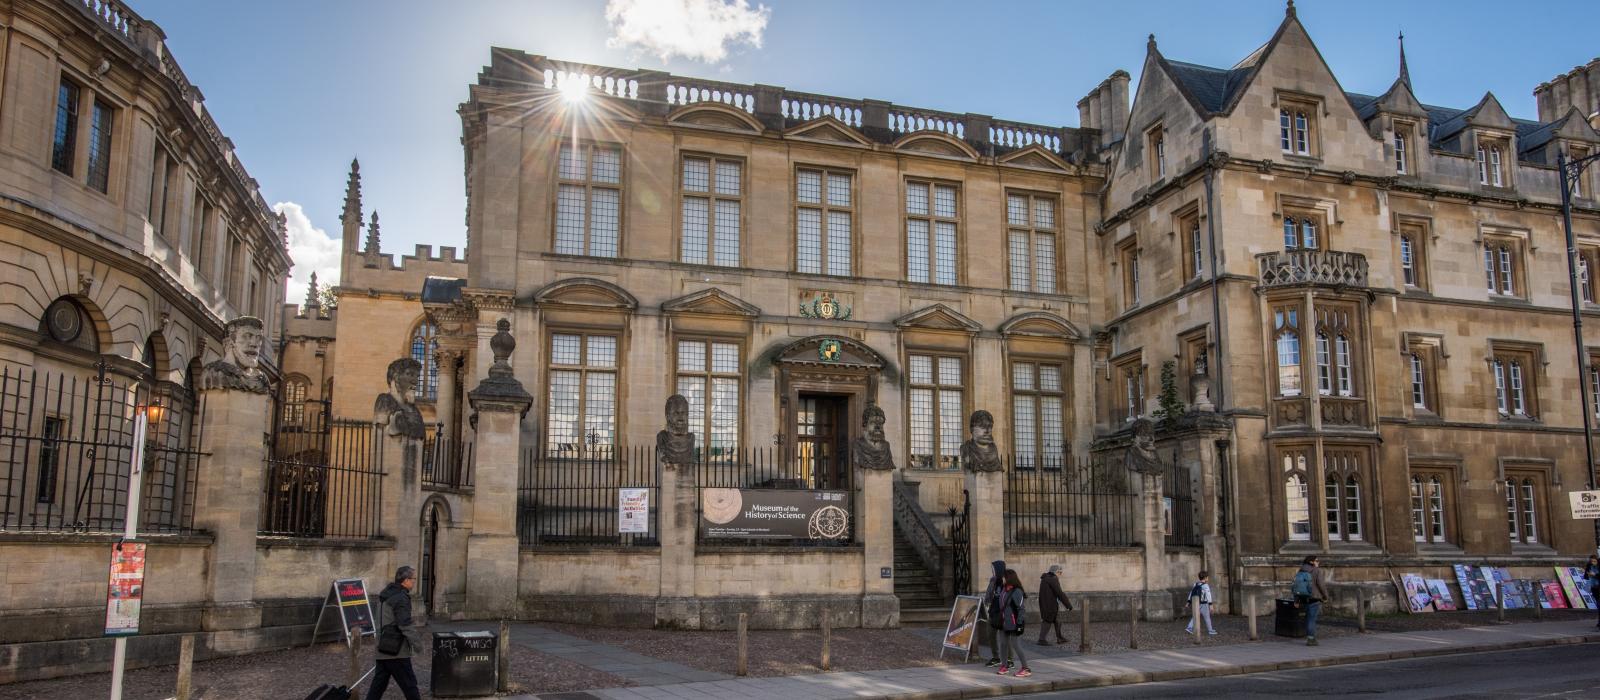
{"points": [[822, 441], [430, 549]]}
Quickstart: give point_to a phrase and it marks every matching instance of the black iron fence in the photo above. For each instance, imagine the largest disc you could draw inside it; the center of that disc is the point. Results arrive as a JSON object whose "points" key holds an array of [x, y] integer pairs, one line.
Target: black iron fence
{"points": [[324, 481], [1073, 503], [446, 463], [817, 469], [960, 538], [602, 495], [66, 443], [1178, 508]]}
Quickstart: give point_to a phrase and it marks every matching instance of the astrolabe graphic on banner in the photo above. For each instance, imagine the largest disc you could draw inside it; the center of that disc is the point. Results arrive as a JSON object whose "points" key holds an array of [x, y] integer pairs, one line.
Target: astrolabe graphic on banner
{"points": [[721, 506], [828, 523]]}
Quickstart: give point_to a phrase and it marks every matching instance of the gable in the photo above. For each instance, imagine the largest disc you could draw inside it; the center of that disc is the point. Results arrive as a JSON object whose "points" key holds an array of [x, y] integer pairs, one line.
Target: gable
{"points": [[711, 301], [585, 291], [1491, 115], [828, 128], [1034, 156], [937, 143], [938, 317], [715, 116], [1040, 323]]}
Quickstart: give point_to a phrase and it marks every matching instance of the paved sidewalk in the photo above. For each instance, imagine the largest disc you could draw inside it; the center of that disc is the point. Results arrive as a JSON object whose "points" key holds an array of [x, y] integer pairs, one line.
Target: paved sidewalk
{"points": [[636, 668], [973, 680]]}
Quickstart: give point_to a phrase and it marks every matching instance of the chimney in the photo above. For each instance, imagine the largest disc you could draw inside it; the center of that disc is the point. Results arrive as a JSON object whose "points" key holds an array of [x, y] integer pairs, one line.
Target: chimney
{"points": [[1578, 88], [1106, 108]]}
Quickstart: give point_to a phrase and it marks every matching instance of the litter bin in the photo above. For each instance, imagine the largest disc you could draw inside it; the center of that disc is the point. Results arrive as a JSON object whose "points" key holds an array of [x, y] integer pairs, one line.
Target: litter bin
{"points": [[1290, 620], [464, 664]]}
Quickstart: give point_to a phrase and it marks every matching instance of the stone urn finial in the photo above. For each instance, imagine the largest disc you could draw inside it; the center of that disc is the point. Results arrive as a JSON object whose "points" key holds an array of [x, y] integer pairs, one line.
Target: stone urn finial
{"points": [[502, 344]]}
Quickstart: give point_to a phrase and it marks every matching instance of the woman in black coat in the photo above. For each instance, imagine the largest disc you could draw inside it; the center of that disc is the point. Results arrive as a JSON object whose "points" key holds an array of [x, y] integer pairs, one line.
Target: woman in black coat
{"points": [[1050, 595]]}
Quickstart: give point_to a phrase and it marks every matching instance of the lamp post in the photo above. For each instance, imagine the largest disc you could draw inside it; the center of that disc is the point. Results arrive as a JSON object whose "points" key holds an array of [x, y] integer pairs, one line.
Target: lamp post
{"points": [[1571, 171], [144, 415]]}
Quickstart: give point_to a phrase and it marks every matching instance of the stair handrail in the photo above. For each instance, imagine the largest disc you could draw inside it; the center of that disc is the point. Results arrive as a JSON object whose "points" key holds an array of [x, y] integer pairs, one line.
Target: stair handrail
{"points": [[936, 553]]}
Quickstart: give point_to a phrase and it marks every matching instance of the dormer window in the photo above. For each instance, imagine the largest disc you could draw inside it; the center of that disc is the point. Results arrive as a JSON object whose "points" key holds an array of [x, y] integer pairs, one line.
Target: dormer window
{"points": [[1575, 184], [1491, 163], [1494, 167], [1161, 154], [1483, 166], [1297, 123]]}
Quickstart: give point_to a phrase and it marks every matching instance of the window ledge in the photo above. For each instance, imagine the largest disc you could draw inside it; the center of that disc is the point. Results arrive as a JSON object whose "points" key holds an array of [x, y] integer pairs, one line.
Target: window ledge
{"points": [[1439, 549], [1523, 549], [1519, 420], [1301, 158]]}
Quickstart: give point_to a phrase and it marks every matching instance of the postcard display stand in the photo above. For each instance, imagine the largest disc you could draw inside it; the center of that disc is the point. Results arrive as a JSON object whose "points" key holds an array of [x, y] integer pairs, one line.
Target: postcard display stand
{"points": [[1486, 587]]}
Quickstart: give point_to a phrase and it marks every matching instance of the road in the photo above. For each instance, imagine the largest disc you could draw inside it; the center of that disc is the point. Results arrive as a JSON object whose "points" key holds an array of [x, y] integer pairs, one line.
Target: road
{"points": [[1567, 671]]}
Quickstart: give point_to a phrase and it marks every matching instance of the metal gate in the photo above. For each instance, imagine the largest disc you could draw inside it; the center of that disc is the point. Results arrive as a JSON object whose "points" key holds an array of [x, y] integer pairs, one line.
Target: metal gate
{"points": [[960, 538]]}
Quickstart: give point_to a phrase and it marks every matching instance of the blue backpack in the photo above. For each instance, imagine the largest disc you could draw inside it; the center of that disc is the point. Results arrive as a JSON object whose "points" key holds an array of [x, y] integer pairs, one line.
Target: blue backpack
{"points": [[1302, 585]]}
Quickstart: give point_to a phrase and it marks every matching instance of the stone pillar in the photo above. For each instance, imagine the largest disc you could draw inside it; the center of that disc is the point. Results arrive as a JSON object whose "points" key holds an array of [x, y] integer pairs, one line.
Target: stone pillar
{"points": [[493, 556], [444, 402], [677, 606], [400, 456], [1157, 603], [228, 501], [985, 524], [879, 607]]}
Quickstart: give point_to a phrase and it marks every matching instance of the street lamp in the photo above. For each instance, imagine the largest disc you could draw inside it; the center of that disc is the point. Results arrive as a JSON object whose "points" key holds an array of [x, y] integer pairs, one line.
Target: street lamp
{"points": [[1571, 171]]}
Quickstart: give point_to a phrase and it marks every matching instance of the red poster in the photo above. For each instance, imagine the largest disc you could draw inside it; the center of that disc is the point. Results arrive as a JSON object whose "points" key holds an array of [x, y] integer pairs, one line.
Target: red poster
{"points": [[126, 589]]}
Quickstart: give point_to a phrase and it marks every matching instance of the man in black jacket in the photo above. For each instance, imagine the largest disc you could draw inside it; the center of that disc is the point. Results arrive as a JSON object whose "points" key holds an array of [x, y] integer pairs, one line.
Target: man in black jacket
{"points": [[403, 640], [990, 633], [1051, 599]]}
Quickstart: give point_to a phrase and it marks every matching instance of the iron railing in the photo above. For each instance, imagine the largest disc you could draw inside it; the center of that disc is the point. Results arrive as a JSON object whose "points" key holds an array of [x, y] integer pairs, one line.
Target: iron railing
{"points": [[575, 500], [325, 483], [960, 538], [1079, 503], [1178, 514], [446, 464], [66, 441]]}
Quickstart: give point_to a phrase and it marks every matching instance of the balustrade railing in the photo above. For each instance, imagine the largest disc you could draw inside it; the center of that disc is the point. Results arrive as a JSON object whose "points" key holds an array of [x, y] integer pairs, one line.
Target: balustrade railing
{"points": [[802, 107], [1327, 267]]}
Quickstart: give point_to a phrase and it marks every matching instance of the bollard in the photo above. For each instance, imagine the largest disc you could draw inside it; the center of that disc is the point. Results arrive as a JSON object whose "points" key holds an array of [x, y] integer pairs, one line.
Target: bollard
{"points": [[1250, 610], [1083, 628], [744, 660], [1133, 622], [1500, 603], [827, 641], [1194, 608], [503, 663], [1361, 610], [185, 667], [355, 655], [1538, 607]]}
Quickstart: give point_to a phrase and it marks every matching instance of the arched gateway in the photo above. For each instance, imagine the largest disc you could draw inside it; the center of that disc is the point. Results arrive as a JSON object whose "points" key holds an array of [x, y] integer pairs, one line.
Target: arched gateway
{"points": [[824, 382]]}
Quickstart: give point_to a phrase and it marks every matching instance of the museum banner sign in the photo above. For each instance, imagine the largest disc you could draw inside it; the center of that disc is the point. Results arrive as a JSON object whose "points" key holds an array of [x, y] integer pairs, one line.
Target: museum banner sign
{"points": [[774, 514]]}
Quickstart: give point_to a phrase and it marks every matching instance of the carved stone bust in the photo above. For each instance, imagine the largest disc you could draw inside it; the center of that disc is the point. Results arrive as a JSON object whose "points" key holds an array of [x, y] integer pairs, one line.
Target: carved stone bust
{"points": [[871, 450], [1141, 456], [240, 366], [396, 409], [979, 453], [675, 444]]}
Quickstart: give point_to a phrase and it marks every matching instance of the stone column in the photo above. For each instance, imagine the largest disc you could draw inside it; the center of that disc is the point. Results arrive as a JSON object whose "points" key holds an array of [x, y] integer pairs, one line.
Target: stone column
{"points": [[444, 402], [228, 501], [493, 555], [1157, 604], [677, 606], [985, 524], [400, 456], [879, 607]]}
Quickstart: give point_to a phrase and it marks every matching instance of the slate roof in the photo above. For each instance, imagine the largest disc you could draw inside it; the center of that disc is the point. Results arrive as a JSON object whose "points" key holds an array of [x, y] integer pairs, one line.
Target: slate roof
{"points": [[442, 290], [1213, 88]]}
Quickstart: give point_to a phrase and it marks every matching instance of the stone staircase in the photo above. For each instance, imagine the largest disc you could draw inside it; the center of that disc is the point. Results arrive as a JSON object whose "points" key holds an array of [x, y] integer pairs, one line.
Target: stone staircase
{"points": [[916, 587]]}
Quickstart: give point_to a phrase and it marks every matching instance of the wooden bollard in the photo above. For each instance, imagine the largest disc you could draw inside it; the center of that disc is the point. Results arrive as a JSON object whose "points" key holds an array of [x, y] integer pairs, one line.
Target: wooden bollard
{"points": [[1133, 622], [1538, 608], [503, 663], [1361, 610], [744, 659], [355, 655], [1250, 610], [185, 667], [1083, 627], [1194, 612], [1500, 603], [827, 642]]}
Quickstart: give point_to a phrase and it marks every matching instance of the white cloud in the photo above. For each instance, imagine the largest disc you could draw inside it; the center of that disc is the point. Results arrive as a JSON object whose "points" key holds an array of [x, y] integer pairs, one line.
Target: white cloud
{"points": [[699, 30], [312, 249]]}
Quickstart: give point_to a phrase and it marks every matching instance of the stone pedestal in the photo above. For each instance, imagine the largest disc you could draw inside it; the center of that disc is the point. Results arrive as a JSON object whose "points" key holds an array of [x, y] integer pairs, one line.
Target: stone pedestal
{"points": [[227, 502], [401, 517], [676, 606], [1157, 602], [875, 520], [492, 551], [986, 524]]}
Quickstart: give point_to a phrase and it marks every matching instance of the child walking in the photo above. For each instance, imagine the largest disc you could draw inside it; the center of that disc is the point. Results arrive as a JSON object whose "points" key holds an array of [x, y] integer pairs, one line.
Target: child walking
{"points": [[1200, 597], [1011, 624]]}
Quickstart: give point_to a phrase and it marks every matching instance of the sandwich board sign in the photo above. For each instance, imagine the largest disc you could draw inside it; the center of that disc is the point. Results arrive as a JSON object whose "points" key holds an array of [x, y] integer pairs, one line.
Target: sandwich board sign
{"points": [[960, 633], [349, 597]]}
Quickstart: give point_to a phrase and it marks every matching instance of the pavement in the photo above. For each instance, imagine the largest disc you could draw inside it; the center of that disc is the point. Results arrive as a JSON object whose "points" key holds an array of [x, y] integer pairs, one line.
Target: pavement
{"points": [[1067, 673], [636, 668]]}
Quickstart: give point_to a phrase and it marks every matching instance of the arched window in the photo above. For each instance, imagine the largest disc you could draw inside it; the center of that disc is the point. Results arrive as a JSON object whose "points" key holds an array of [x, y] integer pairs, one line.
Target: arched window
{"points": [[1302, 138], [1285, 131], [1483, 167], [1352, 508], [1289, 363], [1291, 237], [1341, 494], [1297, 501], [1341, 359], [1494, 167], [1308, 233], [1324, 365], [294, 401], [425, 350]]}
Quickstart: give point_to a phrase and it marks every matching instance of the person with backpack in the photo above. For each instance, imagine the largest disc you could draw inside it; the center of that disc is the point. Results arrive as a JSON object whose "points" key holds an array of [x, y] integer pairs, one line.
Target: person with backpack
{"points": [[1012, 609], [1309, 591], [1200, 598], [398, 638], [1051, 598], [1591, 576], [991, 607]]}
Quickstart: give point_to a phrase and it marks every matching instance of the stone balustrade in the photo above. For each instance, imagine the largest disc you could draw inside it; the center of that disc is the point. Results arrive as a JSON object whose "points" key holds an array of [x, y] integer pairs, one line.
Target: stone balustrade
{"points": [[1334, 268]]}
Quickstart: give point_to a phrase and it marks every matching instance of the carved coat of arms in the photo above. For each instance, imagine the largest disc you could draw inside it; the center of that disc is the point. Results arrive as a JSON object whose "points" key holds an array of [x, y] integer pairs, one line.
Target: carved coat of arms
{"points": [[826, 307], [829, 351]]}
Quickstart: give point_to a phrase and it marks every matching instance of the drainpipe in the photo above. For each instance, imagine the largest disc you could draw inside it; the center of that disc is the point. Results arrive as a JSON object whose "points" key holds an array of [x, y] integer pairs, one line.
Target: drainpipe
{"points": [[1218, 386]]}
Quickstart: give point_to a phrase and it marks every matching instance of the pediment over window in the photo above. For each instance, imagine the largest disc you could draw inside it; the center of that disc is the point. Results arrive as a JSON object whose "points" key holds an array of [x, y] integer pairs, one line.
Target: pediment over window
{"points": [[828, 128], [1035, 156], [937, 143], [1041, 324], [830, 351], [711, 301], [585, 291], [716, 116], [938, 317]]}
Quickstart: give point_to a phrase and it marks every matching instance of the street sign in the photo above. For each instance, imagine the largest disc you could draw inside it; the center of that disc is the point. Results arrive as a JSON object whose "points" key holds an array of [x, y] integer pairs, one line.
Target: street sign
{"points": [[1585, 505]]}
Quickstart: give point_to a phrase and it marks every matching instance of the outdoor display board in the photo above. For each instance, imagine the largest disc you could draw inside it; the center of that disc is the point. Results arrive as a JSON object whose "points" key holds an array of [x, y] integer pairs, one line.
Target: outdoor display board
{"points": [[633, 511], [961, 632], [786, 514], [125, 592], [349, 597]]}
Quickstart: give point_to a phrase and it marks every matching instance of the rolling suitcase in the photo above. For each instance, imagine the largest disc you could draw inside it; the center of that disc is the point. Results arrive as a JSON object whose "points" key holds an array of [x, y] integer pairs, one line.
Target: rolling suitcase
{"points": [[329, 691]]}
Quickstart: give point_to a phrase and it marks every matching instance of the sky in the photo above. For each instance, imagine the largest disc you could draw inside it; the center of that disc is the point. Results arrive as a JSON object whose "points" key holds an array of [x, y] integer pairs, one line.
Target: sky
{"points": [[303, 86]]}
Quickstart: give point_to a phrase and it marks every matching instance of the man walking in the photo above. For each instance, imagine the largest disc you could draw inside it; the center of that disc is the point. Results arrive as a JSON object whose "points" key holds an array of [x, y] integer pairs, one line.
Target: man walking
{"points": [[1309, 591], [992, 599], [398, 639], [1051, 599]]}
